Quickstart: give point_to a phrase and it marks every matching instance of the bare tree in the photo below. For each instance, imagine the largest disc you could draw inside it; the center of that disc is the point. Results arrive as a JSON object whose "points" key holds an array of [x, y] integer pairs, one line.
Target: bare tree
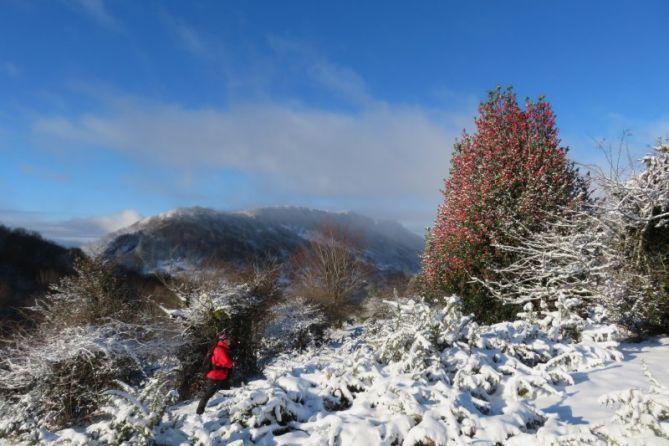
{"points": [[330, 268]]}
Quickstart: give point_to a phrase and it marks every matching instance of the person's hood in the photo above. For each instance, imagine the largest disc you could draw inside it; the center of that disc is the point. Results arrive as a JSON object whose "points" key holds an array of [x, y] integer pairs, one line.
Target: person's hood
{"points": [[223, 344]]}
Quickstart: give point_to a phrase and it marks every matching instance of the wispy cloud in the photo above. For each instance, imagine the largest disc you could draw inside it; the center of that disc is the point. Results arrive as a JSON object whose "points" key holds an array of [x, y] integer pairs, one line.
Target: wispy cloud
{"points": [[257, 68], [98, 11], [188, 37], [337, 78]]}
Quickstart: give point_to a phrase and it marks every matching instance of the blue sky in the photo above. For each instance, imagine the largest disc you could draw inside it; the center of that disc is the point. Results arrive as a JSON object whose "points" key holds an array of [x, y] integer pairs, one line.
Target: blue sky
{"points": [[114, 110]]}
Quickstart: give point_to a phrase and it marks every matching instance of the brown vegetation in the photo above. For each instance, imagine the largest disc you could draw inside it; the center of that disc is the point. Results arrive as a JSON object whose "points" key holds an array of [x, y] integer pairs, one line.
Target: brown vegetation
{"points": [[331, 271]]}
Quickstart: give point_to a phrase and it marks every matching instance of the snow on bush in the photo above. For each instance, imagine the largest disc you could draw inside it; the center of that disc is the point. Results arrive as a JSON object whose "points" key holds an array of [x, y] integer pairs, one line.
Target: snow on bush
{"points": [[610, 252], [641, 414], [50, 379], [135, 413], [292, 324], [426, 376], [205, 301], [577, 261], [209, 307], [638, 208]]}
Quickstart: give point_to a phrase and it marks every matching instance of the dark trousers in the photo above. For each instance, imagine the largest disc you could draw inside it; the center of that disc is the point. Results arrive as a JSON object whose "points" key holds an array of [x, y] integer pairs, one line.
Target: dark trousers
{"points": [[212, 386]]}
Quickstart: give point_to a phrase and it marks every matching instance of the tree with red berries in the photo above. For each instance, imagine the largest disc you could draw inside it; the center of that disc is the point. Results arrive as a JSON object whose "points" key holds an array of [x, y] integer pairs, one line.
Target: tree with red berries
{"points": [[510, 173]]}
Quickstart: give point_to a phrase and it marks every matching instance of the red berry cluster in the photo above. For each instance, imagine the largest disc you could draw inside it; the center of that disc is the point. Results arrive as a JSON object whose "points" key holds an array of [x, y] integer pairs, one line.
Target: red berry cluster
{"points": [[511, 169]]}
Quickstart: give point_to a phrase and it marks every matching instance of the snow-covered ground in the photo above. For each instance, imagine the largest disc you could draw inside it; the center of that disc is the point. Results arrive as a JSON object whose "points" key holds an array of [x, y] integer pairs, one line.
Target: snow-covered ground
{"points": [[576, 404], [424, 377], [579, 403]]}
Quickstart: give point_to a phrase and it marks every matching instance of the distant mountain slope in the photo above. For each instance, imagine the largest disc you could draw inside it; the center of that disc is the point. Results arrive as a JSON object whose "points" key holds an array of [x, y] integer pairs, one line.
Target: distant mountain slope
{"points": [[28, 265], [185, 238]]}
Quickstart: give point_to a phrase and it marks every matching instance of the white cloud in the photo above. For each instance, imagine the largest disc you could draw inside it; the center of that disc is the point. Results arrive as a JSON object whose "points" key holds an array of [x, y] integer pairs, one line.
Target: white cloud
{"points": [[114, 222], [380, 151], [72, 231]]}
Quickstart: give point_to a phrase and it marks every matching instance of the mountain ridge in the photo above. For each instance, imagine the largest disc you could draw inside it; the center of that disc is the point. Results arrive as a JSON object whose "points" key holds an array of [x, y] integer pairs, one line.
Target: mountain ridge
{"points": [[184, 238]]}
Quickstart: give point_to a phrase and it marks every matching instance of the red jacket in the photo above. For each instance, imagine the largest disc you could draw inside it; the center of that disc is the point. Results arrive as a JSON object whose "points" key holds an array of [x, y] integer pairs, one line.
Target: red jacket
{"points": [[221, 361]]}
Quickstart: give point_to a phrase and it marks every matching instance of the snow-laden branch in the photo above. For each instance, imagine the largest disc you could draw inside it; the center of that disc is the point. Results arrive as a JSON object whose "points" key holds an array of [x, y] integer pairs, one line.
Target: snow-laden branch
{"points": [[594, 253]]}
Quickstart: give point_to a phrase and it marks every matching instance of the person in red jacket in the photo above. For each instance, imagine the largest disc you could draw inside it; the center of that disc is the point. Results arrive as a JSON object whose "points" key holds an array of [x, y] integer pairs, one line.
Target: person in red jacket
{"points": [[219, 368]]}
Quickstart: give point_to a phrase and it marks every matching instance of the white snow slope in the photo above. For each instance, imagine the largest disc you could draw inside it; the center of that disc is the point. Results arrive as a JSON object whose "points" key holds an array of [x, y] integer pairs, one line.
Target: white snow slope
{"points": [[428, 377], [579, 403]]}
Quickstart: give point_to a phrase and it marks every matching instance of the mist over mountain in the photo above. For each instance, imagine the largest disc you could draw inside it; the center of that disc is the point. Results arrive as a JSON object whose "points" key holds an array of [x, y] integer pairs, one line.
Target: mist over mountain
{"points": [[184, 239]]}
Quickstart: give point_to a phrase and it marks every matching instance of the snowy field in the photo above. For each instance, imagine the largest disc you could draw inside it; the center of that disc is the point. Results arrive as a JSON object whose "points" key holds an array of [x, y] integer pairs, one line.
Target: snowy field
{"points": [[579, 403], [576, 404], [425, 377]]}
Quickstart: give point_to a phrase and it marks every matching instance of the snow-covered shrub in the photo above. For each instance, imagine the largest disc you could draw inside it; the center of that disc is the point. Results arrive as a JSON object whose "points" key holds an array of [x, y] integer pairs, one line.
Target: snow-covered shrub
{"points": [[136, 412], [424, 375], [639, 210], [518, 360], [418, 333], [208, 308], [641, 413], [56, 377], [88, 331], [324, 383], [291, 326], [97, 291], [598, 254]]}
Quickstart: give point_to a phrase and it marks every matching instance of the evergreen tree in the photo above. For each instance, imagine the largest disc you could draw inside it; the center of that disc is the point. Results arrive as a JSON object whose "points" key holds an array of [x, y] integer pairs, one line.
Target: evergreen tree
{"points": [[510, 172]]}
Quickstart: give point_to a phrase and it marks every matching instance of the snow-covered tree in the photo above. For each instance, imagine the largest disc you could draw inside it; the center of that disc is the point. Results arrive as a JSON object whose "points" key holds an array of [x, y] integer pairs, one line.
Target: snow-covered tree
{"points": [[96, 292], [574, 265], [638, 208], [88, 331], [603, 253]]}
